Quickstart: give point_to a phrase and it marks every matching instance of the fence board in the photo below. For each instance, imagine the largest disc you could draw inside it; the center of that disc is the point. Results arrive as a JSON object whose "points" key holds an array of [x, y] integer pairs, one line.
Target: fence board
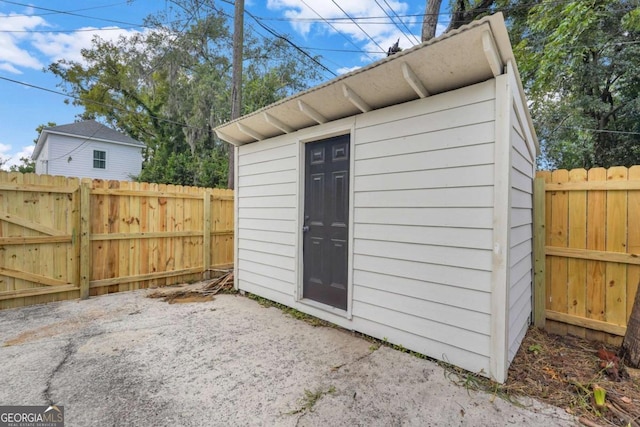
{"points": [[592, 250], [116, 236], [559, 237], [596, 232], [633, 244], [577, 237], [616, 275]]}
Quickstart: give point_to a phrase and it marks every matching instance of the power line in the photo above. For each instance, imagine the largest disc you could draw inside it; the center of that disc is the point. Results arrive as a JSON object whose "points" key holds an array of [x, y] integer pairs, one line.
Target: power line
{"points": [[401, 21], [77, 30], [392, 20], [358, 25], [74, 10], [116, 107], [620, 132], [74, 14], [285, 39], [338, 31], [324, 49], [73, 150]]}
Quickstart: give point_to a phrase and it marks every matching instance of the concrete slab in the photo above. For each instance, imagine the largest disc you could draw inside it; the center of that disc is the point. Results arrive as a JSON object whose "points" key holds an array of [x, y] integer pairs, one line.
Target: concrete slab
{"points": [[125, 359]]}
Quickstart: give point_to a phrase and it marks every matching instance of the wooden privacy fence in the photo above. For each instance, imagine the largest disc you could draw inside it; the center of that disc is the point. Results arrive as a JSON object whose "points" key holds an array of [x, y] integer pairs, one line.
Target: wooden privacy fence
{"points": [[587, 251], [62, 238]]}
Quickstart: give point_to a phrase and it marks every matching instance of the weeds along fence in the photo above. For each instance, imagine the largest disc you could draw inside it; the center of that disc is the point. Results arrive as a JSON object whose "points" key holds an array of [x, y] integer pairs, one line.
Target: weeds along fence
{"points": [[587, 253], [62, 238]]}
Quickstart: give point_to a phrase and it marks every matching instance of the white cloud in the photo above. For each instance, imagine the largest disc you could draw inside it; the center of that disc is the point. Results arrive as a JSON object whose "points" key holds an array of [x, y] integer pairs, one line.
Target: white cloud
{"points": [[10, 68], [383, 34], [4, 155], [68, 46], [15, 53], [13, 159], [24, 48], [345, 70]]}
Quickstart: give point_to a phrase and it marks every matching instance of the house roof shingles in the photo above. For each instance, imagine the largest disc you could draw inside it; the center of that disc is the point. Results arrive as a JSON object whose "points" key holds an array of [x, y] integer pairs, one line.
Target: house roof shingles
{"points": [[94, 130], [89, 129]]}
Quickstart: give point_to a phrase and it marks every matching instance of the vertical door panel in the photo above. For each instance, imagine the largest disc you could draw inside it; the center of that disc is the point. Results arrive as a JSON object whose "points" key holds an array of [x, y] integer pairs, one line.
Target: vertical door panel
{"points": [[326, 215]]}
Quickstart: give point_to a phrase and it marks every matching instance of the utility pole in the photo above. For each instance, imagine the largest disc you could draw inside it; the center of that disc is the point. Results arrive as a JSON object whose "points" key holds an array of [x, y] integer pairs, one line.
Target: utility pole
{"points": [[236, 80]]}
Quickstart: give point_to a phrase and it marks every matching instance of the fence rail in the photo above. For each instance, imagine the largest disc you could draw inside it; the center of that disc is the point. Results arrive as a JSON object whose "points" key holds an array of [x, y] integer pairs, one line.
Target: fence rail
{"points": [[587, 250], [62, 238]]}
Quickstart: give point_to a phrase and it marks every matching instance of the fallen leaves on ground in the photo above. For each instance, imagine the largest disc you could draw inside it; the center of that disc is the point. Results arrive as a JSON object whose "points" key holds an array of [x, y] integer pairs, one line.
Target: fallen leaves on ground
{"points": [[565, 370]]}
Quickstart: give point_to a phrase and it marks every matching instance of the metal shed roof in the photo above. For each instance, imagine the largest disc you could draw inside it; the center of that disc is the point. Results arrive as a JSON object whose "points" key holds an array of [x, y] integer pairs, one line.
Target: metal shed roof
{"points": [[471, 54]]}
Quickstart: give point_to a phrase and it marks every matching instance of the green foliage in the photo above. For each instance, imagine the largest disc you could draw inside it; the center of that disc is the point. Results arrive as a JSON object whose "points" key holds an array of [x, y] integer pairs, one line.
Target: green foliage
{"points": [[169, 87], [41, 127], [26, 166], [311, 320], [579, 61], [535, 349], [311, 398]]}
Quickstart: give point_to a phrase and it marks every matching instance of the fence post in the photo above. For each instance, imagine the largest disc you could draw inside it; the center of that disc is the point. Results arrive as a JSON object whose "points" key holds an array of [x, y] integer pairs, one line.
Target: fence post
{"points": [[85, 235], [539, 291], [206, 234]]}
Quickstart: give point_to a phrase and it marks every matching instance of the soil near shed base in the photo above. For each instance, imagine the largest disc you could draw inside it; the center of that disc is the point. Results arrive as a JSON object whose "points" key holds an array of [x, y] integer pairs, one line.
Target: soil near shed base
{"points": [[563, 370]]}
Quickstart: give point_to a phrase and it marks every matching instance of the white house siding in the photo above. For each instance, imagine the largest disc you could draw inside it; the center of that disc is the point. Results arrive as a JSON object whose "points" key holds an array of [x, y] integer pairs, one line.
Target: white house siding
{"points": [[73, 156], [41, 163], [267, 200], [521, 273], [423, 210]]}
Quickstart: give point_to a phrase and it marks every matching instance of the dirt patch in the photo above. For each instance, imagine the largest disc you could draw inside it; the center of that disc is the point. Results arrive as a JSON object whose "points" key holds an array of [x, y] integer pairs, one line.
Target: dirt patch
{"points": [[182, 297], [43, 332], [564, 370]]}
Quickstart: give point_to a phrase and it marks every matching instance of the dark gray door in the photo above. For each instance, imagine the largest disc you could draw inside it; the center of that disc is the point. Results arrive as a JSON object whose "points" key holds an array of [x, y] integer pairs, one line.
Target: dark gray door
{"points": [[326, 221]]}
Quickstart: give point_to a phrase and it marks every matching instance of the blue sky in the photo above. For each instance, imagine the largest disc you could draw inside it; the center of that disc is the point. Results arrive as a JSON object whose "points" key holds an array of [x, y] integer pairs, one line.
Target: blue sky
{"points": [[32, 37]]}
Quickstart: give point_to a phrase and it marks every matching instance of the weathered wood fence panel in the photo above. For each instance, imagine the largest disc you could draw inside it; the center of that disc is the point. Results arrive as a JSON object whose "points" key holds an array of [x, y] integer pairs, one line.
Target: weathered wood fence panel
{"points": [[62, 239], [591, 246]]}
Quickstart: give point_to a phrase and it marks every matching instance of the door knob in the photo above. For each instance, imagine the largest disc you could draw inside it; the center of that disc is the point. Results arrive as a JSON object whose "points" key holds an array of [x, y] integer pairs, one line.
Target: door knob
{"points": [[305, 228]]}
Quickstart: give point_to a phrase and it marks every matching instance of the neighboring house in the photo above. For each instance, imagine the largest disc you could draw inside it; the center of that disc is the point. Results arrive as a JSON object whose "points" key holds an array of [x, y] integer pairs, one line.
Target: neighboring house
{"points": [[396, 200], [87, 149]]}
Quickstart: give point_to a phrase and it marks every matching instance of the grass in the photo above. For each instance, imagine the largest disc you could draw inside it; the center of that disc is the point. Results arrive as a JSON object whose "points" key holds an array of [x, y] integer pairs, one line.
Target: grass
{"points": [[310, 399], [296, 314]]}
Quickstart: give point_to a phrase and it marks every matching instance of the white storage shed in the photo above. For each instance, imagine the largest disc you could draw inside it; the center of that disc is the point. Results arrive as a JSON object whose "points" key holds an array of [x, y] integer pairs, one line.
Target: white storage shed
{"points": [[396, 200]]}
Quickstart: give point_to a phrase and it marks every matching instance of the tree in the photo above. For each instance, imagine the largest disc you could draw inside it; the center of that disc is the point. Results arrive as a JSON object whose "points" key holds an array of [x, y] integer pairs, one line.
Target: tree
{"points": [[578, 62], [430, 21], [27, 166], [462, 13], [170, 87], [41, 127], [630, 350]]}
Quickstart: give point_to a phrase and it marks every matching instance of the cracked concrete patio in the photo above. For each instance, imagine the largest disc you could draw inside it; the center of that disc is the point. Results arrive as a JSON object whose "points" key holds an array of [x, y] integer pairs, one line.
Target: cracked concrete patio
{"points": [[125, 359]]}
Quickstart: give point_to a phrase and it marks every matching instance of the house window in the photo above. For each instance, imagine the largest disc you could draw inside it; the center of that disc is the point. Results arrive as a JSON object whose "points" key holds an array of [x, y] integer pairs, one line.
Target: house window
{"points": [[99, 159]]}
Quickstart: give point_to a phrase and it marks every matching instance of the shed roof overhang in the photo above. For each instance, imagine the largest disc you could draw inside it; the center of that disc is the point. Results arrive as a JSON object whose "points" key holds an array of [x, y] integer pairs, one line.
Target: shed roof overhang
{"points": [[471, 54]]}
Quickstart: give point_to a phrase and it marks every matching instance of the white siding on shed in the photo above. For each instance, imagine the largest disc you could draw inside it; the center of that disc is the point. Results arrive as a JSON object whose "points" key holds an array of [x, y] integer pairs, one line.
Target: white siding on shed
{"points": [[521, 274], [423, 211], [422, 223], [267, 210], [418, 166], [440, 209]]}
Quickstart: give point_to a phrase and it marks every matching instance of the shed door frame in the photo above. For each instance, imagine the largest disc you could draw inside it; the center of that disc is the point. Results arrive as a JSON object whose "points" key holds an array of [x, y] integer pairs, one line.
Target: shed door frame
{"points": [[337, 128]]}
